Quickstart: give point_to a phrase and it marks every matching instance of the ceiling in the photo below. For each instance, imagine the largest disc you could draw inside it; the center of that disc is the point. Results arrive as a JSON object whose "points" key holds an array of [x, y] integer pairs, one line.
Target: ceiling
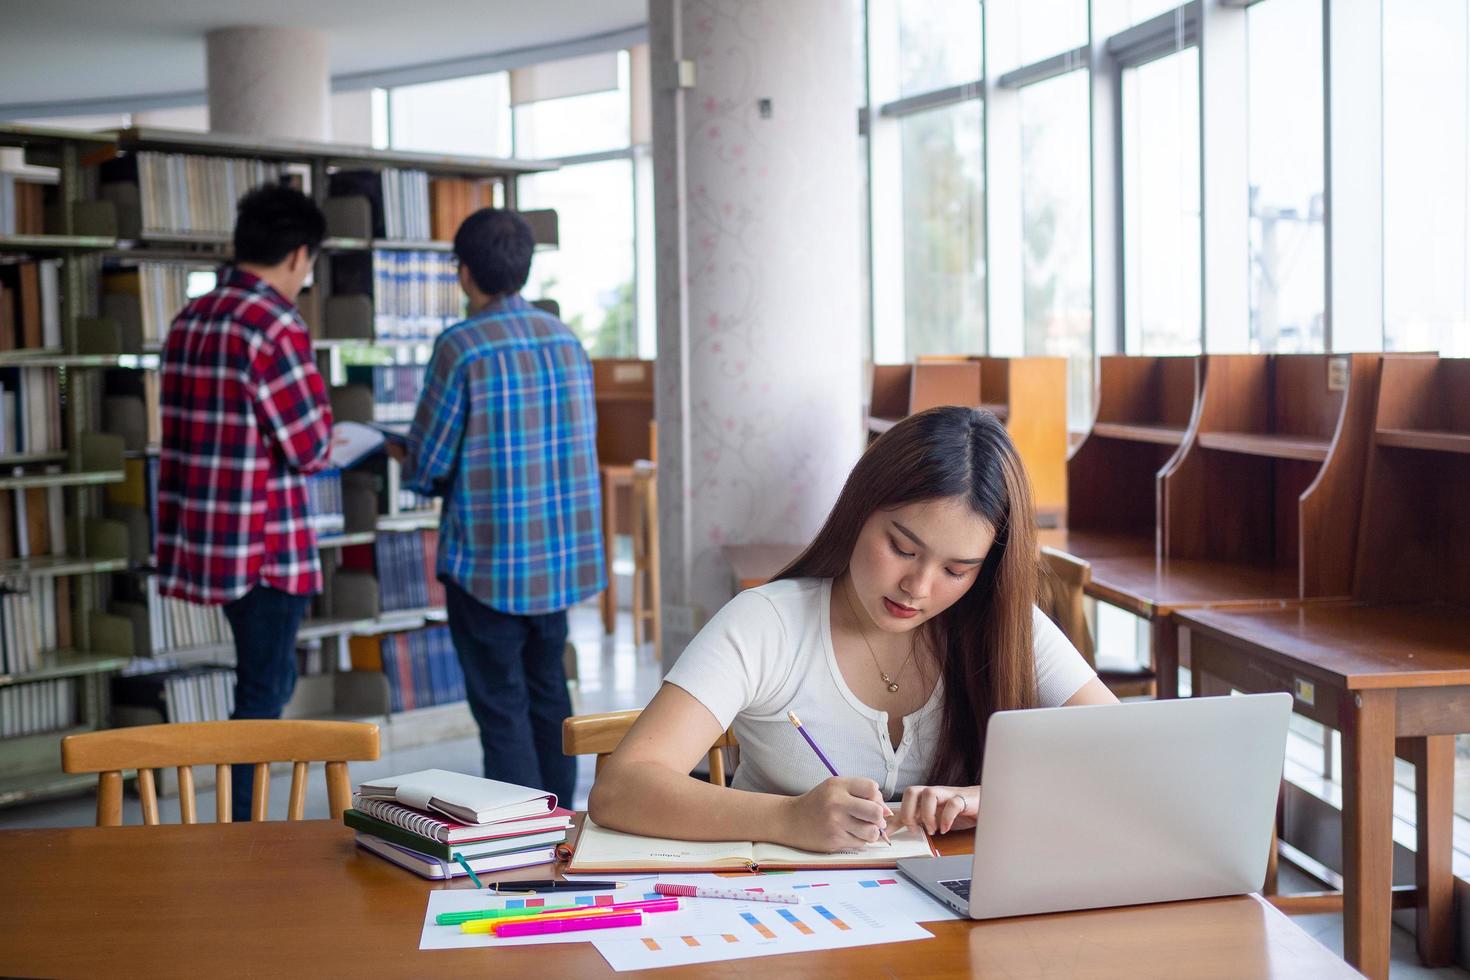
{"points": [[77, 50]]}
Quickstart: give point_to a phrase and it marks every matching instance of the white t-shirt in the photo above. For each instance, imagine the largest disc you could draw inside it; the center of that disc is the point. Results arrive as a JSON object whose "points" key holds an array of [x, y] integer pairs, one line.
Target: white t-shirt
{"points": [[769, 651]]}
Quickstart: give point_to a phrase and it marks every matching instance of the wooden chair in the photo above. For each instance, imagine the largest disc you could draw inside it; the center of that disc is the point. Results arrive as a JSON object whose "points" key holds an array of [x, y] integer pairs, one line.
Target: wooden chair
{"points": [[1063, 602], [219, 744], [600, 734], [645, 553]]}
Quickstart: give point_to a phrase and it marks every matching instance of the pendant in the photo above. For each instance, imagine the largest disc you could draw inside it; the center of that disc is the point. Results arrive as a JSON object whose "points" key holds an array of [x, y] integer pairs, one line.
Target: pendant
{"points": [[892, 687]]}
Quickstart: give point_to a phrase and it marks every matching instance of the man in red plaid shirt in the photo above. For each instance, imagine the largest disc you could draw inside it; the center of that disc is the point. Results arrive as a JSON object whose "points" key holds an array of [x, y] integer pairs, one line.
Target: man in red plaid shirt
{"points": [[245, 418]]}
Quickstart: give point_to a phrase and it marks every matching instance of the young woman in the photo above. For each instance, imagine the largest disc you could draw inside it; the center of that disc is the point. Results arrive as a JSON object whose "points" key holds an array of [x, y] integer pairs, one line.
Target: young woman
{"points": [[907, 621]]}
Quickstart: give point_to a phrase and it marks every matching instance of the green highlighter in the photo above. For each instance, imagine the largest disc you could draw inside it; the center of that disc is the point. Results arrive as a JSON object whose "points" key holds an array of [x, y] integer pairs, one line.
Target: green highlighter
{"points": [[455, 918]]}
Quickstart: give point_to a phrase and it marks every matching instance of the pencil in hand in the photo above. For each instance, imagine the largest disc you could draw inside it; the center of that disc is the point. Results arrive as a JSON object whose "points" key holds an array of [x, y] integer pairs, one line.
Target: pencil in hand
{"points": [[791, 715]]}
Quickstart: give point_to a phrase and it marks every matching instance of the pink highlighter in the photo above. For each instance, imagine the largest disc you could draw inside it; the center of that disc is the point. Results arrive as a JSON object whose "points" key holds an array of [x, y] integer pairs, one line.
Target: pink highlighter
{"points": [[511, 929]]}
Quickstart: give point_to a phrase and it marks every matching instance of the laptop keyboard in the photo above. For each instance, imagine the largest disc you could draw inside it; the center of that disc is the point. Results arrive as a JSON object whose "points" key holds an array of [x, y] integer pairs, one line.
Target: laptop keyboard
{"points": [[960, 886]]}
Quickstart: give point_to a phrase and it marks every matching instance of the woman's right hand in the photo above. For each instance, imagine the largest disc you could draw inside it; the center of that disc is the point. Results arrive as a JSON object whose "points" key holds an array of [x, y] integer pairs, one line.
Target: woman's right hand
{"points": [[842, 812]]}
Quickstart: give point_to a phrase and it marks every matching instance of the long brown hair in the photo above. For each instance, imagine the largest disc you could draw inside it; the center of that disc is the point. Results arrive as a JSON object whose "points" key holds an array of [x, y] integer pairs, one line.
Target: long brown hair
{"points": [[983, 641]]}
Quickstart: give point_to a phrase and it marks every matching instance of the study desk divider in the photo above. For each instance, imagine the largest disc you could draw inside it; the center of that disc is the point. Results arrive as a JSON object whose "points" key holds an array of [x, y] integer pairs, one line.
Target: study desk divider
{"points": [[1389, 667], [1028, 394]]}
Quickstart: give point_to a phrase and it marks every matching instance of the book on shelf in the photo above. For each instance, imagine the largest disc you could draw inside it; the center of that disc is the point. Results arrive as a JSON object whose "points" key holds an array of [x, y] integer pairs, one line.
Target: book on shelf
{"points": [[204, 692], [601, 850], [163, 623], [30, 410], [421, 666], [439, 830], [453, 199], [32, 521], [143, 299], [30, 305], [405, 566], [31, 623], [22, 205], [428, 867], [500, 844], [414, 294], [157, 193], [38, 707], [396, 389], [398, 202], [324, 501]]}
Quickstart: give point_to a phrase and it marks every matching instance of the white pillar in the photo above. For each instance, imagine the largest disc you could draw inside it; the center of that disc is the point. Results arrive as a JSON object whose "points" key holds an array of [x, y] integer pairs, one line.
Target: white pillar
{"points": [[269, 81], [759, 344]]}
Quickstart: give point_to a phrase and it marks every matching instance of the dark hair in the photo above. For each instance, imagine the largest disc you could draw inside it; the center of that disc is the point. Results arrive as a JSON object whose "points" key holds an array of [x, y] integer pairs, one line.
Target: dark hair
{"points": [[273, 221], [495, 245], [983, 641]]}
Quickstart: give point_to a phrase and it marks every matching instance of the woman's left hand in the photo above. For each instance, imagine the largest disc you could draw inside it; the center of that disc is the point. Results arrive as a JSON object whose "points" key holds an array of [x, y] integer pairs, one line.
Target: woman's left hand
{"points": [[939, 809]]}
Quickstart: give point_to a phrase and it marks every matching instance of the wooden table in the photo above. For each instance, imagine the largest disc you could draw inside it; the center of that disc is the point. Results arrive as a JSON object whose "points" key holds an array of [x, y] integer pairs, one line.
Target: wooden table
{"points": [[1155, 589], [1378, 674], [299, 899]]}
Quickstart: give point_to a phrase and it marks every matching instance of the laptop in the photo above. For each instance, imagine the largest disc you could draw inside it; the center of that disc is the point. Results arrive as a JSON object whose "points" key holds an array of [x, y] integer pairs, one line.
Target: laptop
{"points": [[1103, 805]]}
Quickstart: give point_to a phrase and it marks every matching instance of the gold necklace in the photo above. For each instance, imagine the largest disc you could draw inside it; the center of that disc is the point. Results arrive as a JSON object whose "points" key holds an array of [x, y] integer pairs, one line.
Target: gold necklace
{"points": [[892, 684]]}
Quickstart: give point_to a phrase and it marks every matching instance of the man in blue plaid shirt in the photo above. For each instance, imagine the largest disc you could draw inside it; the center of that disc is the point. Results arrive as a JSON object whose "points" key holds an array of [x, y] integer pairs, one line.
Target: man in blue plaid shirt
{"points": [[506, 433]]}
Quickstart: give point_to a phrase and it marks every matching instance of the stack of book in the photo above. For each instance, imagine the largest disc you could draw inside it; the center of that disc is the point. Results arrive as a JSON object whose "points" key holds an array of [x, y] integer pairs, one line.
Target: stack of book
{"points": [[435, 822]]}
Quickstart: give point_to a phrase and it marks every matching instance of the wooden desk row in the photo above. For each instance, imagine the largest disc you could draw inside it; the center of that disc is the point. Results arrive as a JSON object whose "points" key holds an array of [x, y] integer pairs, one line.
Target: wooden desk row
{"points": [[300, 899], [1299, 523]]}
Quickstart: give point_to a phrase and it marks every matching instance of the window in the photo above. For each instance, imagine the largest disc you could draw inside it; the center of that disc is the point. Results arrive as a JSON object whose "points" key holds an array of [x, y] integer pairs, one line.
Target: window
{"points": [[1056, 250], [469, 116], [943, 231], [1161, 205], [576, 124], [939, 44], [1426, 235], [590, 275], [1039, 30], [1287, 244]]}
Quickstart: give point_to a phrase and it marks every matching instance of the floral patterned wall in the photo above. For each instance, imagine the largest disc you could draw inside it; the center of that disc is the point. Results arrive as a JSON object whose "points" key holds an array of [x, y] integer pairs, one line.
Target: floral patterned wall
{"points": [[759, 339]]}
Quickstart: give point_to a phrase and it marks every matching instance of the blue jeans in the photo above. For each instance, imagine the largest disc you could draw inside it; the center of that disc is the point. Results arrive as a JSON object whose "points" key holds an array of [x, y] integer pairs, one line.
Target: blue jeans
{"points": [[517, 687], [264, 621]]}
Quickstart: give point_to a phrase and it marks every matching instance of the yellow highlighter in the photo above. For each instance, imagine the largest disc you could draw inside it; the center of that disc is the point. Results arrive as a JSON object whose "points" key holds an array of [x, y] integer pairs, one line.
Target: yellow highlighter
{"points": [[488, 925]]}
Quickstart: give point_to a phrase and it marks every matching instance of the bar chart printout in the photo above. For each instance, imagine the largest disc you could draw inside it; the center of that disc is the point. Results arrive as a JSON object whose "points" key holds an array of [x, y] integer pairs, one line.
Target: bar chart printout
{"points": [[751, 931]]}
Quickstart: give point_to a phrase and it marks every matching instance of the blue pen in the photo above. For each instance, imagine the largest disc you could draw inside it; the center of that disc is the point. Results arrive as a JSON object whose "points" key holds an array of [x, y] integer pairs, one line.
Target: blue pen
{"points": [[468, 870]]}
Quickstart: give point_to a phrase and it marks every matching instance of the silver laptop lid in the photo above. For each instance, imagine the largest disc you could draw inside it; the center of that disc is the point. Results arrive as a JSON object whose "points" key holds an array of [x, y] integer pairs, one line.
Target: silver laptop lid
{"points": [[1152, 801]]}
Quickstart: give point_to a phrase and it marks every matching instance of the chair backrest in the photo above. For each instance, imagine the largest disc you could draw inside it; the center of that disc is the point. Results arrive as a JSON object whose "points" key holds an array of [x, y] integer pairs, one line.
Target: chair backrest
{"points": [[1066, 578], [600, 734], [219, 744]]}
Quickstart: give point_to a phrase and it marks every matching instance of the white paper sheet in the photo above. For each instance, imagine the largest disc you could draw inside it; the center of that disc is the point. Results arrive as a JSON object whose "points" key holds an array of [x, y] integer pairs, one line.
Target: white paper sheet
{"points": [[719, 929], [881, 893], [436, 936]]}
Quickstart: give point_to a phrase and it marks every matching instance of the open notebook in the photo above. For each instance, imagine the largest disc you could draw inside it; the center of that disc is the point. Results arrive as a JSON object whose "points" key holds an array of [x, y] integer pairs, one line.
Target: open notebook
{"points": [[600, 849]]}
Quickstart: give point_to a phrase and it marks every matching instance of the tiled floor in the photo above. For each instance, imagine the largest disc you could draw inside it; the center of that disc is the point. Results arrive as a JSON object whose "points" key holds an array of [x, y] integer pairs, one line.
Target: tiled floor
{"points": [[614, 676]]}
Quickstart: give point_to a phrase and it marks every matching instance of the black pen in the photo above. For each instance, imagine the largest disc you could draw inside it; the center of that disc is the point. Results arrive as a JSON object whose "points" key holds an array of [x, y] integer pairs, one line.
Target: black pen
{"points": [[532, 887]]}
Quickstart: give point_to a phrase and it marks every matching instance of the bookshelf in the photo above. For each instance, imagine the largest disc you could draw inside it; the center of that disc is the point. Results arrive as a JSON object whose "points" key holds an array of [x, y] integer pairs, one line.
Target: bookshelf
{"points": [[53, 680], [137, 220]]}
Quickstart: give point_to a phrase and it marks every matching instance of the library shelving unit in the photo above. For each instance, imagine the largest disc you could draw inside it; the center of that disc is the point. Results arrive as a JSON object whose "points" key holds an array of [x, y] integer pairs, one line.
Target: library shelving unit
{"points": [[111, 210], [60, 679], [1144, 408], [1028, 394]]}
